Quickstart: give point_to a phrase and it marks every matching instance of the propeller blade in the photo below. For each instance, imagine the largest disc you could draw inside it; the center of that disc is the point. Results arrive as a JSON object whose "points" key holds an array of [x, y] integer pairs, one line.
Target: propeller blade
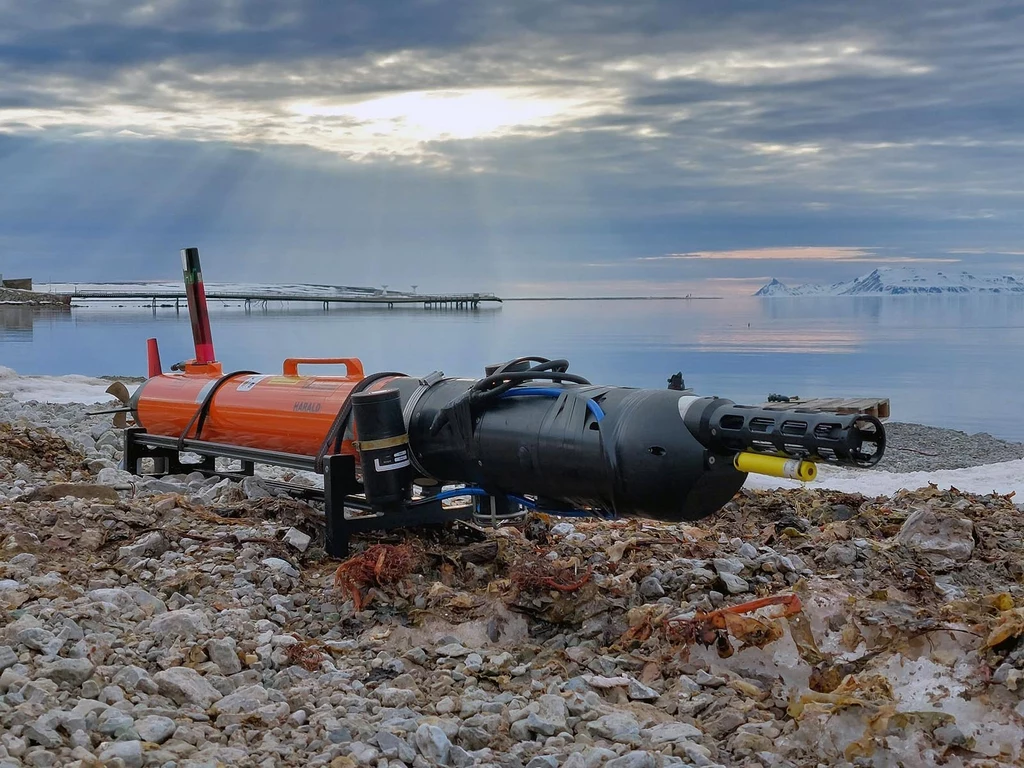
{"points": [[120, 420], [119, 391]]}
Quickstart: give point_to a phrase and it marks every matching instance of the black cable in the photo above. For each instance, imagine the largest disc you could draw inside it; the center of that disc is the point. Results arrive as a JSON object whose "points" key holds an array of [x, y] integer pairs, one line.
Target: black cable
{"points": [[336, 434], [204, 408]]}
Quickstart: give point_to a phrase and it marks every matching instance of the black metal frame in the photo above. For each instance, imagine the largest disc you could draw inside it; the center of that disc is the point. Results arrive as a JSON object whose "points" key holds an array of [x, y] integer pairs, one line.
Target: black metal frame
{"points": [[342, 491]]}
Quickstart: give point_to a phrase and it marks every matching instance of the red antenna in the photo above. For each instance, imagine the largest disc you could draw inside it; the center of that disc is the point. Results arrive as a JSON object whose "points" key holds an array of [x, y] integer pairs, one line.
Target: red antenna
{"points": [[197, 310]]}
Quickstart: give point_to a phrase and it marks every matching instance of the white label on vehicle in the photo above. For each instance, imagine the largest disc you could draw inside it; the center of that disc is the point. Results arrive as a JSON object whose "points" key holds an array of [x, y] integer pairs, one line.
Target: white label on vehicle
{"points": [[251, 382], [399, 460]]}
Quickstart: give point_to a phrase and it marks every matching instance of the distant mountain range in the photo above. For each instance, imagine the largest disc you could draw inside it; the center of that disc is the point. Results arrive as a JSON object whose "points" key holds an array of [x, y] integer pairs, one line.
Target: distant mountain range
{"points": [[902, 281]]}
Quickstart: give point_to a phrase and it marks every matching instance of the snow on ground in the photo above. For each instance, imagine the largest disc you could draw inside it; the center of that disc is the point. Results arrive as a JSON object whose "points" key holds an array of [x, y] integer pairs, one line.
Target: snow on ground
{"points": [[1003, 477], [54, 389]]}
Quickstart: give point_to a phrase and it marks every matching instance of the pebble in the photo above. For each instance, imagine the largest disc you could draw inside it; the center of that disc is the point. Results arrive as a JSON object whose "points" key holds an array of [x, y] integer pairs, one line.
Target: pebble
{"points": [[734, 584], [650, 587], [433, 743]]}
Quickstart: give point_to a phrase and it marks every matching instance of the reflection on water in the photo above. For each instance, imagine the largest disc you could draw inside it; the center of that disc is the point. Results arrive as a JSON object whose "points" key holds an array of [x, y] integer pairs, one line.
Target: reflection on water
{"points": [[950, 361], [17, 321]]}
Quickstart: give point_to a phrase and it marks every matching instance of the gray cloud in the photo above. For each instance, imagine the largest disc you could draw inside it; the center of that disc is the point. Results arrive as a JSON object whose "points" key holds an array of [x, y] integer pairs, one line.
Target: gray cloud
{"points": [[571, 132]]}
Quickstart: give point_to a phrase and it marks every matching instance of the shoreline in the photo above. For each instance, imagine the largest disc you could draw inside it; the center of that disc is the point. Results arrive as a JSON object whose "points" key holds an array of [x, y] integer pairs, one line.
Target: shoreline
{"points": [[199, 621]]}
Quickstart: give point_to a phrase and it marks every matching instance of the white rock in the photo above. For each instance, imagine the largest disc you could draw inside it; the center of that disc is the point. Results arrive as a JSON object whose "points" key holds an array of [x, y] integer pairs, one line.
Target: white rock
{"points": [[129, 751], [224, 654], [116, 596], [247, 699], [183, 622], [114, 477], [186, 686], [278, 565], [942, 540], [433, 743], [73, 671], [155, 728], [297, 539]]}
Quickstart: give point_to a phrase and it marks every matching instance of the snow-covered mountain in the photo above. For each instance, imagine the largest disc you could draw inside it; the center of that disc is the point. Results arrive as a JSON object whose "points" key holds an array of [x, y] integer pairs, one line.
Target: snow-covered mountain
{"points": [[902, 281]]}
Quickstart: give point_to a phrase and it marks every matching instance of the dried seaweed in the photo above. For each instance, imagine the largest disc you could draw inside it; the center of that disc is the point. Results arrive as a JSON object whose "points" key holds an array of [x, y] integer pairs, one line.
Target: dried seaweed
{"points": [[381, 565], [39, 449]]}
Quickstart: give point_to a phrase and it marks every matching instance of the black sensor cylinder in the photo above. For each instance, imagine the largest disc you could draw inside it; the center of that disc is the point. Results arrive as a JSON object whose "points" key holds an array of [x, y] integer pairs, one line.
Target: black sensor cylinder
{"points": [[383, 446]]}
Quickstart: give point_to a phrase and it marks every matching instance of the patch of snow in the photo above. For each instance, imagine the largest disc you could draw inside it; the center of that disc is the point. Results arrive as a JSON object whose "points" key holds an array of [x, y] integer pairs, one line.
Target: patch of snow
{"points": [[54, 389], [1003, 477], [902, 281]]}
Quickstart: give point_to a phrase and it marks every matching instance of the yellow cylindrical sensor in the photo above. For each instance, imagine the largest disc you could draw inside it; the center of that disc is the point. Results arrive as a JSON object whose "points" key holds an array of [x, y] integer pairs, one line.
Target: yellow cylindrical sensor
{"points": [[775, 466]]}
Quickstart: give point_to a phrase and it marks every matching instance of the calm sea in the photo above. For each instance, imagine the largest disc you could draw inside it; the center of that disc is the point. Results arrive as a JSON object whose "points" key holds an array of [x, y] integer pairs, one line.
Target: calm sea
{"points": [[947, 361]]}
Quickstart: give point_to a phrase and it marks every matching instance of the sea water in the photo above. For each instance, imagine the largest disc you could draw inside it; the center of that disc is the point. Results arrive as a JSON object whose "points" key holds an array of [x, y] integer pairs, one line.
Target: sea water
{"points": [[952, 361]]}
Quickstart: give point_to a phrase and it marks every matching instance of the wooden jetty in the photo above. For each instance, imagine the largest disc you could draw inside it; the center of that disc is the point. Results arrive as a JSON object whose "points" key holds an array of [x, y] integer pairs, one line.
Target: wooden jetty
{"points": [[428, 301]]}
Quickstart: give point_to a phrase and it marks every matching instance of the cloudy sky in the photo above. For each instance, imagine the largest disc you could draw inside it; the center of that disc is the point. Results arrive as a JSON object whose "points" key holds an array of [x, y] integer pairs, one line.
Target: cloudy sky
{"points": [[521, 146]]}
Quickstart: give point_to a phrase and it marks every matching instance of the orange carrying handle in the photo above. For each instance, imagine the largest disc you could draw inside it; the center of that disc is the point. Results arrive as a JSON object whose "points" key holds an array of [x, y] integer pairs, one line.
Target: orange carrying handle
{"points": [[353, 366]]}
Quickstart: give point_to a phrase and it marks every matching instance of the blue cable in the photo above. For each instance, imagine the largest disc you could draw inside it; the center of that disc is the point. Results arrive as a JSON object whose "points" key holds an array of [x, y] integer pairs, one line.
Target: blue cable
{"points": [[472, 491], [592, 405]]}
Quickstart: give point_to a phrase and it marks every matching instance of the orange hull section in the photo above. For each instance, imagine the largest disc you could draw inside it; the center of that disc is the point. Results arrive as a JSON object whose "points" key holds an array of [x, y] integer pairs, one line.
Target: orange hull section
{"points": [[287, 413]]}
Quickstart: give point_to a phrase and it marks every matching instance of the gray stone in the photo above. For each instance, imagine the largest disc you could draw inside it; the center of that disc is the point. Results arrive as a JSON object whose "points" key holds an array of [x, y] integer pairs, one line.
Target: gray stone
{"points": [[128, 751], [941, 540], [155, 728], [395, 697], [152, 544], [149, 604], [41, 759], [460, 758], [841, 553], [633, 760], [246, 699], [637, 691], [112, 720], [132, 678], [543, 761], [598, 756], [254, 488], [42, 734], [433, 743], [277, 565], [114, 477], [224, 654], [297, 539], [186, 686], [116, 596], [73, 671], [724, 723], [734, 584], [670, 733], [727, 565], [8, 658], [39, 639], [747, 550], [619, 727], [181, 623], [651, 588], [393, 747]]}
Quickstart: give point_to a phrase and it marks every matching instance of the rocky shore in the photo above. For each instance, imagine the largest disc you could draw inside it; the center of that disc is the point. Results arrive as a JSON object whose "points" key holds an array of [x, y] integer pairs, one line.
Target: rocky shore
{"points": [[33, 298], [189, 621]]}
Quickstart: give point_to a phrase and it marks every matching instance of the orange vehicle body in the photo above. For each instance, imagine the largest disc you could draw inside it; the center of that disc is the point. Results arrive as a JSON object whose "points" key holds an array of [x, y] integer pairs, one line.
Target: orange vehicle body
{"points": [[287, 413]]}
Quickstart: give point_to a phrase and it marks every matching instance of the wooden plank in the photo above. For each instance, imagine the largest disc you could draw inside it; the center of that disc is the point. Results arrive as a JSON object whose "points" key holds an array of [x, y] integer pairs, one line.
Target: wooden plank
{"points": [[872, 406]]}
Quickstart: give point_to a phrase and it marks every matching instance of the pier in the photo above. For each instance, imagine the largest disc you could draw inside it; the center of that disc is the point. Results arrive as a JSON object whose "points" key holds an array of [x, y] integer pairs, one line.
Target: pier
{"points": [[428, 301]]}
